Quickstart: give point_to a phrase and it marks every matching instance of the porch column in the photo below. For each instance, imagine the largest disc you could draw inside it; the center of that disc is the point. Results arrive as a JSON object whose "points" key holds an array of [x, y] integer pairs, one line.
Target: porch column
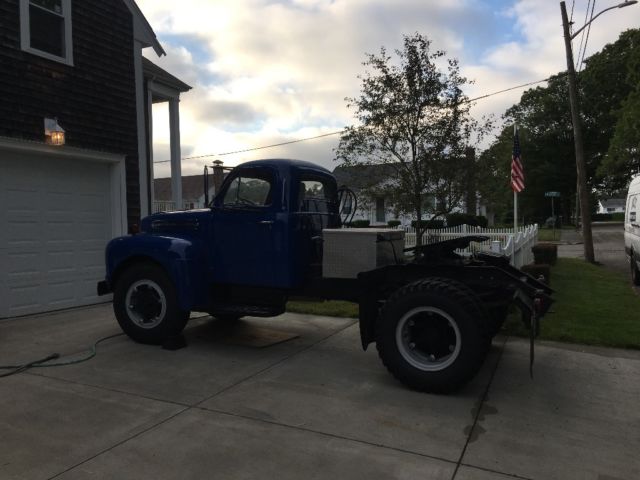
{"points": [[174, 139]]}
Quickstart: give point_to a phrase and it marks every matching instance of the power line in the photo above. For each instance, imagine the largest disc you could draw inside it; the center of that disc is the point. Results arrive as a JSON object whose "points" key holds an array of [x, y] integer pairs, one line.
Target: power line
{"points": [[481, 97], [584, 50], [506, 90], [573, 4], [257, 148], [586, 15]]}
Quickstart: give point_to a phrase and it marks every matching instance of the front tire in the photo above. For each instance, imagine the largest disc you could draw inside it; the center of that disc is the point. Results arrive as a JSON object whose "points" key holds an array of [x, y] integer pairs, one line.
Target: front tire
{"points": [[146, 305], [431, 335]]}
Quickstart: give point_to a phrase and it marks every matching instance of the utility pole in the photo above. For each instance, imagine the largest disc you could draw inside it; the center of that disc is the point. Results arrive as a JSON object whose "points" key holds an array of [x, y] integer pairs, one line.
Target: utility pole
{"points": [[583, 191]]}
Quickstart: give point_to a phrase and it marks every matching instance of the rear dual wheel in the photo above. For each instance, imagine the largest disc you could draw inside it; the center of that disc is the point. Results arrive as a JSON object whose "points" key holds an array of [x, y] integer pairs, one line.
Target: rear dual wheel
{"points": [[431, 335]]}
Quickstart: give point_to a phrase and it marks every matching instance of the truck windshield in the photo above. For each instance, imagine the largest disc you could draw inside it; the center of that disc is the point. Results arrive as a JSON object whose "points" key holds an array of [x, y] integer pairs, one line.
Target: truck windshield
{"points": [[249, 189]]}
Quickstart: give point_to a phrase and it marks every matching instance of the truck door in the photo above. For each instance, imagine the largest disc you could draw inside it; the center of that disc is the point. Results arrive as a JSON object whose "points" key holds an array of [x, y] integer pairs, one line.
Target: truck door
{"points": [[244, 229]]}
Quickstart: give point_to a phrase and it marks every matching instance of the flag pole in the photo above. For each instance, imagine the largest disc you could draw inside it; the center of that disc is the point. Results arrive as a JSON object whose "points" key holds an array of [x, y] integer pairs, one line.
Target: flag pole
{"points": [[515, 196]]}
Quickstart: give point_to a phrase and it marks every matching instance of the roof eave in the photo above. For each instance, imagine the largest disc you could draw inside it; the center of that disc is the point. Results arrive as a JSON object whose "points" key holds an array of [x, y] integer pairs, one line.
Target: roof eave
{"points": [[142, 28]]}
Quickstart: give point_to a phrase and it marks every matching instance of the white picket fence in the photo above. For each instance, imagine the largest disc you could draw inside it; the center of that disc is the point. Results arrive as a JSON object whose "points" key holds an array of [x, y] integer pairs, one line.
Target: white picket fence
{"points": [[501, 240]]}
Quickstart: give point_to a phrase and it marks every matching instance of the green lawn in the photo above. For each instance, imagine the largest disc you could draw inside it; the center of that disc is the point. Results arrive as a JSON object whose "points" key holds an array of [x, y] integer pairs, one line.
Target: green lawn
{"points": [[546, 234], [333, 308], [593, 306]]}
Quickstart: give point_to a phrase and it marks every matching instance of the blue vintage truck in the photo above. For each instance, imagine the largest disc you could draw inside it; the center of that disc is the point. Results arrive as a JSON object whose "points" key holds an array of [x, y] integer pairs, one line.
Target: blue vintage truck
{"points": [[273, 232]]}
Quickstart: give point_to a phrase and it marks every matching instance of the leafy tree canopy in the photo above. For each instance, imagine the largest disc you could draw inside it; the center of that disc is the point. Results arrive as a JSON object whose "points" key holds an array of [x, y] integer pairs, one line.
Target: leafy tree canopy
{"points": [[413, 117], [609, 88]]}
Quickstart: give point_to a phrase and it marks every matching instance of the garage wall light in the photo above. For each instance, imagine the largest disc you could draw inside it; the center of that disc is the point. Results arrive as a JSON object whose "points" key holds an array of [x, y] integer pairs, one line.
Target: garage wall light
{"points": [[53, 132]]}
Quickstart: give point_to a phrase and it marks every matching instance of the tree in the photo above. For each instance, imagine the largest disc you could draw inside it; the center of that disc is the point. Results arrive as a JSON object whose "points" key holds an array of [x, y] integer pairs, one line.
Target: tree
{"points": [[610, 107], [622, 156], [412, 117]]}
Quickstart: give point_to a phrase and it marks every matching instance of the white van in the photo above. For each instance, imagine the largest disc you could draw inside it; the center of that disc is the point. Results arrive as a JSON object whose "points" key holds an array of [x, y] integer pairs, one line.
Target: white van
{"points": [[632, 229]]}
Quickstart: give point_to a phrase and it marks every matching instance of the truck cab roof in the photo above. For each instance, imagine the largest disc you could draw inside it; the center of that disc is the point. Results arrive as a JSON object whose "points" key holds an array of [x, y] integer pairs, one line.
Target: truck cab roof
{"points": [[283, 164]]}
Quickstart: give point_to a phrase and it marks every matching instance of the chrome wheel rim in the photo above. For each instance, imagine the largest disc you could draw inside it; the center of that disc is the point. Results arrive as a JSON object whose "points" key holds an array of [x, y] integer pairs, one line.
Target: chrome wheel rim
{"points": [[146, 303], [428, 338]]}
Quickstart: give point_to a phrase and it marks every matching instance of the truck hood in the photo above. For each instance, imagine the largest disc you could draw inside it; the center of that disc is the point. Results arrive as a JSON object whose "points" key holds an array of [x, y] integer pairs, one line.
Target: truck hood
{"points": [[181, 222]]}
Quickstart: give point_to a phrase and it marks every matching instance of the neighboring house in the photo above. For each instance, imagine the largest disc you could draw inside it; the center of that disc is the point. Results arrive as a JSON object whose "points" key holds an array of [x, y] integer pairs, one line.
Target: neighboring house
{"points": [[192, 193], [77, 66], [192, 190], [378, 210], [611, 205]]}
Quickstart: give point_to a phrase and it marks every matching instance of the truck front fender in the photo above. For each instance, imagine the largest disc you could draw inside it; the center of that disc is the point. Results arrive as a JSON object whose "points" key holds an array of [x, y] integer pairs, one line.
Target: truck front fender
{"points": [[182, 260]]}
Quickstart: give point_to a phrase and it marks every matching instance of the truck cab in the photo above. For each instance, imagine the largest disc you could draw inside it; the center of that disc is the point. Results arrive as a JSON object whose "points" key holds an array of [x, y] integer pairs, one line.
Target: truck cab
{"points": [[260, 238]]}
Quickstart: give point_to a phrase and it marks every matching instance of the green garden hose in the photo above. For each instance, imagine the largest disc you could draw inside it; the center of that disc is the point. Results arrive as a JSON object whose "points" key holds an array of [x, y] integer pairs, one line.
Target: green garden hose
{"points": [[45, 362]]}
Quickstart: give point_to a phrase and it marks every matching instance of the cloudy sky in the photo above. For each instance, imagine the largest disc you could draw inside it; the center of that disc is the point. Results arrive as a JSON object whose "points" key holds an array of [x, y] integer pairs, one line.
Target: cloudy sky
{"points": [[266, 72]]}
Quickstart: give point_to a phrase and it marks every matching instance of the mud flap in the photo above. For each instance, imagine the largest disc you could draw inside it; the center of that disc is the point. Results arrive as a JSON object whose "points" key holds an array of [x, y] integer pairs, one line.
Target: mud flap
{"points": [[531, 308], [534, 330]]}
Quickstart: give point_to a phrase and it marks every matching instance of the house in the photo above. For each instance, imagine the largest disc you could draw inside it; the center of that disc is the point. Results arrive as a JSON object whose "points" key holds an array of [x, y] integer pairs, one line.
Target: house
{"points": [[611, 205], [192, 193], [378, 209], [192, 190], [75, 143]]}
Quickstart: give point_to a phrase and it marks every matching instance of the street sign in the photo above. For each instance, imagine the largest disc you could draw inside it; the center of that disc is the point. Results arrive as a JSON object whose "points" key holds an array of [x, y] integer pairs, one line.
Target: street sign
{"points": [[551, 194]]}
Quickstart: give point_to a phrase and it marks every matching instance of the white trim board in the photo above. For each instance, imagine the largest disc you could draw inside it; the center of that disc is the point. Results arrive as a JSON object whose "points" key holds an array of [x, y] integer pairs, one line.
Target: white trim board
{"points": [[25, 33]]}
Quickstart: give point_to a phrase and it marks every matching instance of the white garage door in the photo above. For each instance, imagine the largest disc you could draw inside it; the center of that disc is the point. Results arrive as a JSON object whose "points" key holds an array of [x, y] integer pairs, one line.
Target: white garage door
{"points": [[55, 220]]}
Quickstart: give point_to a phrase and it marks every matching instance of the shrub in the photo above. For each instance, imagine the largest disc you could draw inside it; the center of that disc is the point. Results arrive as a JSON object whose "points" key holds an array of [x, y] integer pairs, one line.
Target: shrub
{"points": [[394, 223], [545, 253], [433, 223], [456, 219], [618, 217], [360, 224], [602, 217], [536, 270]]}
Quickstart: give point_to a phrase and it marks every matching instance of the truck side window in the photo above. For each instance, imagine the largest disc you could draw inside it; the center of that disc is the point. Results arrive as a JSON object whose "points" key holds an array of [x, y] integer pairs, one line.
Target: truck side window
{"points": [[312, 196], [633, 209], [249, 190]]}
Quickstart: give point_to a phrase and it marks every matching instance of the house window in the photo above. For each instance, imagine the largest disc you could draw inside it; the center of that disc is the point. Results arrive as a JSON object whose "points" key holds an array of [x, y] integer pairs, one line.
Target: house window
{"points": [[45, 29], [380, 211]]}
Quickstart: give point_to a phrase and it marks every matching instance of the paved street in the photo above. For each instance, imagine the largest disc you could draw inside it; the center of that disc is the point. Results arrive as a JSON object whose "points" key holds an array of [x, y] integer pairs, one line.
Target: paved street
{"points": [[314, 407], [608, 242]]}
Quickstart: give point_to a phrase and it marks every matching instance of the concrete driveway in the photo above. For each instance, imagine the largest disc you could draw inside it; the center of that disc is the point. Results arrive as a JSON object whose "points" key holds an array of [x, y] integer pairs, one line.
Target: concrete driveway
{"points": [[313, 407]]}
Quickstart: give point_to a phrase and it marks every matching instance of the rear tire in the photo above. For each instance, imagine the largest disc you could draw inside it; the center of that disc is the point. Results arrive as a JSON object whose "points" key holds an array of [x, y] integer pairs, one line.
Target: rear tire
{"points": [[146, 305], [431, 335]]}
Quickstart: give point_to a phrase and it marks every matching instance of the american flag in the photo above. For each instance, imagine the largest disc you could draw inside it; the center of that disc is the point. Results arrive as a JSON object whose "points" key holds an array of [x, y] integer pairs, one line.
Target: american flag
{"points": [[517, 173]]}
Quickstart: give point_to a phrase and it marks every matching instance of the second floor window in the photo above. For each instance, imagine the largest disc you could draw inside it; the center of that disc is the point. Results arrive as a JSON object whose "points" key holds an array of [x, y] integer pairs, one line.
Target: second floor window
{"points": [[46, 29]]}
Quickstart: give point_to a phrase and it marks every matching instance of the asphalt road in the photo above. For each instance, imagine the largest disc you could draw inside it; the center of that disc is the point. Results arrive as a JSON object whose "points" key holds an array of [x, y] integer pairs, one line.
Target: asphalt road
{"points": [[608, 243]]}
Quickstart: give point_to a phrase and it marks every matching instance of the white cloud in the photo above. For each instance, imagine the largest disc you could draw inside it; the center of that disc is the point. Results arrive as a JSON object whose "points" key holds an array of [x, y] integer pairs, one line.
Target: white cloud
{"points": [[272, 71]]}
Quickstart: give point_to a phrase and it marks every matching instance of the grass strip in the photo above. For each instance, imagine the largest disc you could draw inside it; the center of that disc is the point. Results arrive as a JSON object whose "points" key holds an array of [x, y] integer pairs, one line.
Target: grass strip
{"points": [[593, 306]]}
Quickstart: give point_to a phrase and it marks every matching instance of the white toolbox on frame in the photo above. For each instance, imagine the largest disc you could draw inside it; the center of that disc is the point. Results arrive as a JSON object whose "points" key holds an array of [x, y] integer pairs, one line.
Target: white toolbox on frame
{"points": [[349, 251]]}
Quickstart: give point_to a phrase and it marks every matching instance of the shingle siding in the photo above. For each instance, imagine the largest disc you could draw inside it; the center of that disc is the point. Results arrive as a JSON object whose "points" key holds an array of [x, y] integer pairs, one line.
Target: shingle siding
{"points": [[94, 100]]}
